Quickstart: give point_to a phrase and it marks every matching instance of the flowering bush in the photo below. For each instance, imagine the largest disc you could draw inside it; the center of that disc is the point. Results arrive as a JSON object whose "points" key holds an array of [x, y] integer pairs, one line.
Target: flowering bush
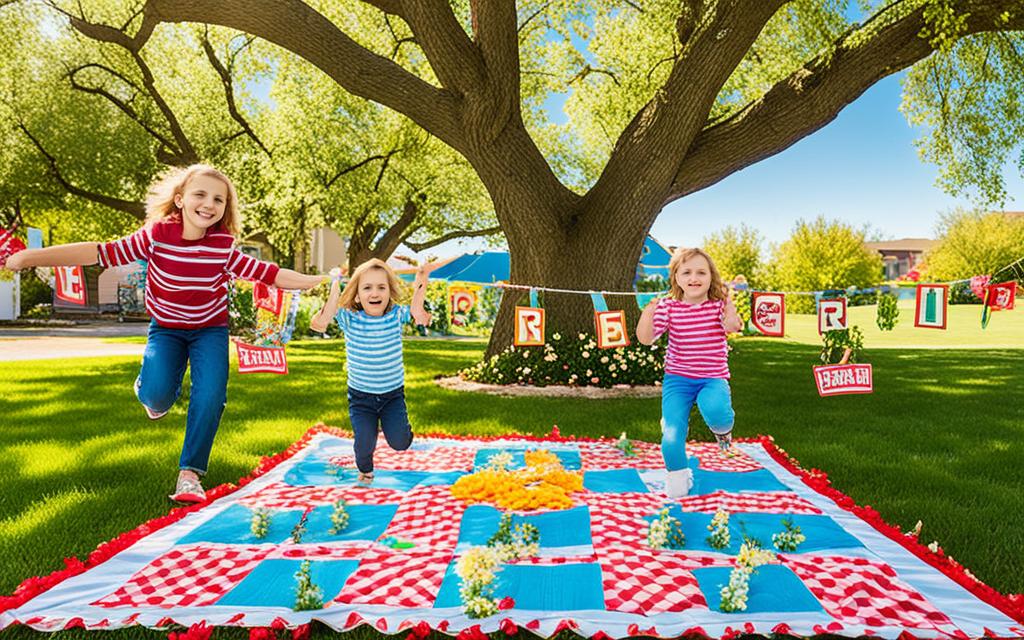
{"points": [[572, 361]]}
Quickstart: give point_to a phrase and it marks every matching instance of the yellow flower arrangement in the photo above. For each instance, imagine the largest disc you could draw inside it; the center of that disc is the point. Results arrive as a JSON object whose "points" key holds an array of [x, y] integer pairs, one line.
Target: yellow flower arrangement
{"points": [[542, 484]]}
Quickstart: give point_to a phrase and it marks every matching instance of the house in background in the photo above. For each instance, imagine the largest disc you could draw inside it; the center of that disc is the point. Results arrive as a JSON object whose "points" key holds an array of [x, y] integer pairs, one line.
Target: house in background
{"points": [[900, 256]]}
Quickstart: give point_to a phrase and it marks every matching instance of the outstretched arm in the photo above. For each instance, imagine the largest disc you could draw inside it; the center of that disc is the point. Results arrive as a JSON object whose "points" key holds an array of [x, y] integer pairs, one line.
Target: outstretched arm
{"points": [[288, 279], [323, 317], [731, 321], [62, 255]]}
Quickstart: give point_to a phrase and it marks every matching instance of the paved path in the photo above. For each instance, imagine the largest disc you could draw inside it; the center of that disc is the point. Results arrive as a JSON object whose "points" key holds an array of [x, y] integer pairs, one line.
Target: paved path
{"points": [[78, 341]]}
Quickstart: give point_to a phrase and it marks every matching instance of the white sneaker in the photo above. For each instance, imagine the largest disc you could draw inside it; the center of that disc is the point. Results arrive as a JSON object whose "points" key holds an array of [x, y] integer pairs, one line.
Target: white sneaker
{"points": [[678, 483]]}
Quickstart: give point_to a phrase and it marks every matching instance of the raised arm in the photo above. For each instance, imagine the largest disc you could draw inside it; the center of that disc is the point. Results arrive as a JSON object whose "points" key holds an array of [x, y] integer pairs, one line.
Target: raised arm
{"points": [[645, 327], [419, 294], [288, 279], [62, 255], [326, 314]]}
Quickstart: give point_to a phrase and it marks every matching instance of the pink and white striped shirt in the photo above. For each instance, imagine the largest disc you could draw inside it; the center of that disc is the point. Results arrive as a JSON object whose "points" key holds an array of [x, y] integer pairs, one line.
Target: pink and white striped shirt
{"points": [[187, 280], [696, 338]]}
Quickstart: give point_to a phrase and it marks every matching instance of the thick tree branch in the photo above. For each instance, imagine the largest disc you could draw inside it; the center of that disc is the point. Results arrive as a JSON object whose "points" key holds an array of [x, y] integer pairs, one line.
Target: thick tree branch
{"points": [[452, 55], [812, 96], [388, 242], [714, 40], [393, 7], [452, 235], [494, 24], [361, 163], [136, 209], [182, 152], [229, 91], [297, 27]]}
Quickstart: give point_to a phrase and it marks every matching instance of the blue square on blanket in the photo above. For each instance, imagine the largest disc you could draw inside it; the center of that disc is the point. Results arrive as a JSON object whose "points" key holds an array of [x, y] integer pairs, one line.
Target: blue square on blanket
{"points": [[317, 472], [773, 588], [234, 525], [705, 482], [570, 458], [558, 587], [562, 528], [272, 582], [821, 531], [614, 481]]}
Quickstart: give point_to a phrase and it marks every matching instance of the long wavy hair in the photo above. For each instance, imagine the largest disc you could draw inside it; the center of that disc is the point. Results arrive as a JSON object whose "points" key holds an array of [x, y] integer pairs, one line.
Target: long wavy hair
{"points": [[717, 290], [160, 199], [347, 300]]}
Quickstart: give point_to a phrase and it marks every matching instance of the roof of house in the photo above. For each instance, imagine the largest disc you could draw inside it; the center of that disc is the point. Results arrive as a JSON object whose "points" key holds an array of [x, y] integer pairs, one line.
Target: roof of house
{"points": [[903, 244]]}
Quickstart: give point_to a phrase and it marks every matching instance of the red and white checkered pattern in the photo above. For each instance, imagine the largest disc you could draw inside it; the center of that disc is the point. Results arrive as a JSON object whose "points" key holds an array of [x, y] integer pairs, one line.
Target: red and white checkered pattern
{"points": [[285, 496], [429, 517], [644, 583], [344, 551], [753, 502], [616, 519], [439, 459], [396, 578], [602, 455], [861, 591], [187, 576], [713, 459]]}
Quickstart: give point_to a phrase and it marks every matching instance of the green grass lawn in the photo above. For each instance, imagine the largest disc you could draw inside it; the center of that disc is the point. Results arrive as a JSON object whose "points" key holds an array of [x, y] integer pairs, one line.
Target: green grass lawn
{"points": [[940, 440]]}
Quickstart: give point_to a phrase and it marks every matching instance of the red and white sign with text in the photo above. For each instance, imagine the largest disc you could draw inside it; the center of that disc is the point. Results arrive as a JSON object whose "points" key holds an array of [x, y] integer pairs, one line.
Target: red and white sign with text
{"points": [[611, 329], [842, 379], [768, 313], [529, 327], [71, 284], [252, 359], [831, 315]]}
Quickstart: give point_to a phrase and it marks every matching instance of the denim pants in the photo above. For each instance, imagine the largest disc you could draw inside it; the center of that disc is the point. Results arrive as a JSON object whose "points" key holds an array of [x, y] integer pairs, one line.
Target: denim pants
{"points": [[678, 393], [367, 411], [168, 352]]}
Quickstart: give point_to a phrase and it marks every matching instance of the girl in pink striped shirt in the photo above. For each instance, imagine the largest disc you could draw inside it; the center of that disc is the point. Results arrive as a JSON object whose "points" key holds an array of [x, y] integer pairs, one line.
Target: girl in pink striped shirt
{"points": [[697, 314], [188, 241]]}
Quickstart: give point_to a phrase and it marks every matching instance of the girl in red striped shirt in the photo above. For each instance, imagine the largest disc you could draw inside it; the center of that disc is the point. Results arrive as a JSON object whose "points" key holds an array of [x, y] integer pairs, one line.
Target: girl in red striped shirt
{"points": [[188, 240], [697, 314]]}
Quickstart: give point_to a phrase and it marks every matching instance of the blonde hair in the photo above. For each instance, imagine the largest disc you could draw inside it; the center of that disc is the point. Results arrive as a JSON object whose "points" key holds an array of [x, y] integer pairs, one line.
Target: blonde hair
{"points": [[717, 290], [348, 296], [160, 199]]}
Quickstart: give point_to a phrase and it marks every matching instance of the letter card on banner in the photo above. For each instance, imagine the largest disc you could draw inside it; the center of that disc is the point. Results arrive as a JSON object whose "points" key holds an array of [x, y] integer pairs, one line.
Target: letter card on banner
{"points": [[831, 315], [930, 307], [768, 313], [71, 284], [529, 327]]}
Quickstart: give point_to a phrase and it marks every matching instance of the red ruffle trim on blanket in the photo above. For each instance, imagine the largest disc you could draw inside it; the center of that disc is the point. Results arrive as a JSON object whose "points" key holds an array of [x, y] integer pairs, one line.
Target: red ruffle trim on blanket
{"points": [[1011, 605]]}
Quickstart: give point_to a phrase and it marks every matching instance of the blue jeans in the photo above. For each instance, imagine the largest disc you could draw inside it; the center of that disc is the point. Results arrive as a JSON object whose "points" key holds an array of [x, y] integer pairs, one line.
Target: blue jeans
{"points": [[678, 393], [367, 411], [168, 352]]}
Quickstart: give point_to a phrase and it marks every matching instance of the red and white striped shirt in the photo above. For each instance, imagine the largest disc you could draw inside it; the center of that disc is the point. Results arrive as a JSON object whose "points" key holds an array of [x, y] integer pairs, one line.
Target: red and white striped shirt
{"points": [[696, 338], [187, 280]]}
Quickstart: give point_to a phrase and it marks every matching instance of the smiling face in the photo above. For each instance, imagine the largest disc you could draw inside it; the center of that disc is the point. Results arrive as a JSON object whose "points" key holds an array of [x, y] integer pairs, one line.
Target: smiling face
{"points": [[374, 292], [202, 203], [694, 277]]}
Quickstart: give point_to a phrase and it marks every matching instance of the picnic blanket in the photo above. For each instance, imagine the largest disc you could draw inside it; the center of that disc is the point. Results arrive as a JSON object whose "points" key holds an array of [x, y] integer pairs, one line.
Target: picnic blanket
{"points": [[594, 571]]}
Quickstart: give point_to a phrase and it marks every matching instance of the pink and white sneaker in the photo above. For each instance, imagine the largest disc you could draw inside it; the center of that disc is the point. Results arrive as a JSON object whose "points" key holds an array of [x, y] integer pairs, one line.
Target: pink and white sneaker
{"points": [[188, 490]]}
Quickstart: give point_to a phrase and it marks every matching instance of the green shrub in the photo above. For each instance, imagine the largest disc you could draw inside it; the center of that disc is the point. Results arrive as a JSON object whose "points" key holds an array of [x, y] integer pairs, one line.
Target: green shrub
{"points": [[835, 344], [572, 361]]}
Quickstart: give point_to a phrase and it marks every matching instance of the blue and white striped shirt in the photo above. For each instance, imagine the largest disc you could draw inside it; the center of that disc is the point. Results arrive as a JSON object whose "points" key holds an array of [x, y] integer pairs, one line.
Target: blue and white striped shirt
{"points": [[373, 347]]}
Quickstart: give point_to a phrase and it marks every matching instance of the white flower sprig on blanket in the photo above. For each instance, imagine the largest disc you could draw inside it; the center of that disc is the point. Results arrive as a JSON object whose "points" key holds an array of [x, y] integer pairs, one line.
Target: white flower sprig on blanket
{"points": [[478, 565], [751, 556], [339, 518], [789, 539], [719, 528], [260, 523], [308, 596], [666, 532]]}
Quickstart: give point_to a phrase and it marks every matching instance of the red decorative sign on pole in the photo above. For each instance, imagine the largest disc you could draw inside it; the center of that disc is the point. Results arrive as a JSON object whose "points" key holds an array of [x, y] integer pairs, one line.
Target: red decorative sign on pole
{"points": [[71, 285], [843, 379], [253, 359], [768, 313]]}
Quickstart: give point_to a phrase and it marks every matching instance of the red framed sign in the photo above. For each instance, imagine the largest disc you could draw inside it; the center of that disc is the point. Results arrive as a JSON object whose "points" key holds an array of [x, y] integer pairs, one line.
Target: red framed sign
{"points": [[843, 379], [611, 329], [71, 285], [768, 313], [253, 359], [529, 327], [831, 315], [930, 306]]}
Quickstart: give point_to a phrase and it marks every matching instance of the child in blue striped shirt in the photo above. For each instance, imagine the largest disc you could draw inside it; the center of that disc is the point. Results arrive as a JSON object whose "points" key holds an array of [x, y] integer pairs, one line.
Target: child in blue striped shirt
{"points": [[371, 320]]}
